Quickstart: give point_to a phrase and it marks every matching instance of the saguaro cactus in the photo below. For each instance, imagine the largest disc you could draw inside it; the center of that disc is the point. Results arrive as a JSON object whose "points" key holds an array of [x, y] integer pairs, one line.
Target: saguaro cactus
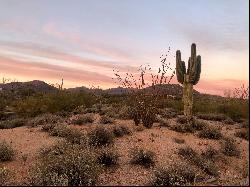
{"points": [[188, 78]]}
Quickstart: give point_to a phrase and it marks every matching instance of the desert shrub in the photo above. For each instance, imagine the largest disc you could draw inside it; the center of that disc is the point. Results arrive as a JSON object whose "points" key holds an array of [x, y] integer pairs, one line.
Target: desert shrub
{"points": [[175, 175], [193, 157], [139, 128], [60, 130], [229, 121], [4, 176], [106, 120], [108, 157], [148, 118], [83, 119], [178, 140], [48, 127], [168, 113], [192, 126], [9, 124], [229, 147], [75, 136], [121, 130], [7, 153], [243, 133], [212, 117], [124, 112], [100, 136], [164, 122], [245, 124], [52, 103], [143, 157], [66, 165], [210, 153], [181, 120], [45, 119], [210, 133]]}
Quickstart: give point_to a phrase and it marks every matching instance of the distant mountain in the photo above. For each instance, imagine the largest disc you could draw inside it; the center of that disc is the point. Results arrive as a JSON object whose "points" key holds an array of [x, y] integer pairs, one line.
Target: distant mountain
{"points": [[35, 85], [40, 86]]}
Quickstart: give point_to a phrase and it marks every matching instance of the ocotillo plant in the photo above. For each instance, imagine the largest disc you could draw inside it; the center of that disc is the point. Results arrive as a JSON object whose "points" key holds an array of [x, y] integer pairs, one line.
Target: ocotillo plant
{"points": [[188, 78]]}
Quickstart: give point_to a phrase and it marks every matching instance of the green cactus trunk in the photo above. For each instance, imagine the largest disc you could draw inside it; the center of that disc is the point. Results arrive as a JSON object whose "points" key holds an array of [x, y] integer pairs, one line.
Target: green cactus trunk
{"points": [[187, 97], [188, 78]]}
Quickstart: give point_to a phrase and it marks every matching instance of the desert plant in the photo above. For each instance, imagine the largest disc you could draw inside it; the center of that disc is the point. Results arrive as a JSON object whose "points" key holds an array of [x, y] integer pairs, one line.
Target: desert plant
{"points": [[174, 175], [191, 126], [193, 157], [4, 176], [9, 124], [243, 133], [66, 165], [179, 141], [7, 153], [45, 119], [210, 133], [212, 117], [60, 130], [100, 136], [121, 130], [210, 153], [229, 147], [143, 157], [83, 119], [108, 157], [106, 120], [188, 78]]}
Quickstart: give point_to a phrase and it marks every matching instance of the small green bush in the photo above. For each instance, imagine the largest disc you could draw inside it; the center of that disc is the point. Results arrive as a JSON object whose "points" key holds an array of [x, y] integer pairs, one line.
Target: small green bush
{"points": [[108, 157], [210, 133], [176, 175], [4, 176], [9, 124], [7, 153], [100, 136], [229, 147], [143, 157], [106, 120], [83, 119], [66, 165], [121, 130], [243, 133]]}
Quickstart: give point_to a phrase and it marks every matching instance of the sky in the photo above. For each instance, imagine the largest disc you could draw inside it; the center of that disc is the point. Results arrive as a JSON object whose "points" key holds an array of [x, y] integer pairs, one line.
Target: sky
{"points": [[82, 41]]}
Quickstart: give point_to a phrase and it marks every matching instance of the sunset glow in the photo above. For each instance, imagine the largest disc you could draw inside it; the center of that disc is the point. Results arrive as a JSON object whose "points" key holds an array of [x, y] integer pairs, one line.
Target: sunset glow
{"points": [[83, 41]]}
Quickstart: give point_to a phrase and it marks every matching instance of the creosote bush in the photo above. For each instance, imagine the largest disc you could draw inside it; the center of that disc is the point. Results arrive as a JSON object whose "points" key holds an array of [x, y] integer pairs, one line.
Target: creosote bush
{"points": [[100, 136], [106, 120], [7, 153], [66, 164], [192, 126], [175, 175], [243, 133], [193, 157], [45, 119], [108, 157], [83, 119], [229, 147], [121, 130], [210, 133], [143, 157], [9, 124]]}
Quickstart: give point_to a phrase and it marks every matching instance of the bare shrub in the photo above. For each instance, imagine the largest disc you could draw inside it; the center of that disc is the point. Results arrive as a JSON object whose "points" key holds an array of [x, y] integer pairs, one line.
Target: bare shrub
{"points": [[210, 133], [143, 157], [229, 147], [100, 136], [7, 153], [108, 157], [121, 130]]}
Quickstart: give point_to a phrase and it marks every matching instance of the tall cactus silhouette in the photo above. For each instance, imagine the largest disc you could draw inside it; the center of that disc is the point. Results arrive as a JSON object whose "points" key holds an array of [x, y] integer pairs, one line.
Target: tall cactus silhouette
{"points": [[188, 78]]}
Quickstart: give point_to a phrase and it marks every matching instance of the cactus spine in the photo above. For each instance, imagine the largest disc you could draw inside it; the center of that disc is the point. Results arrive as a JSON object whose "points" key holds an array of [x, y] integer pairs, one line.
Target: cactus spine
{"points": [[188, 78]]}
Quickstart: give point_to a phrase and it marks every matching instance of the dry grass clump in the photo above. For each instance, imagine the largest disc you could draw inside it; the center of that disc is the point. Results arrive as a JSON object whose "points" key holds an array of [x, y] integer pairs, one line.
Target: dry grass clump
{"points": [[7, 153], [229, 147], [106, 120], [203, 163], [9, 124], [66, 164], [108, 157], [143, 157], [100, 136], [45, 119], [192, 126], [83, 119], [4, 176], [121, 130], [175, 175], [243, 133], [210, 133], [179, 140], [212, 117]]}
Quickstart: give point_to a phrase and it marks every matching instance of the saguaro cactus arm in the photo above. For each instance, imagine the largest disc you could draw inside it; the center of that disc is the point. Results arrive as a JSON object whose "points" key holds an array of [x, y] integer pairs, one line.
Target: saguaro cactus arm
{"points": [[180, 67]]}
